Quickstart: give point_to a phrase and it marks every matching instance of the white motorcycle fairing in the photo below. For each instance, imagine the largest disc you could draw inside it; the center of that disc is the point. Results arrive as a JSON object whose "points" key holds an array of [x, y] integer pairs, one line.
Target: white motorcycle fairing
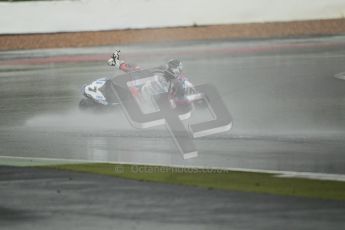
{"points": [[94, 91]]}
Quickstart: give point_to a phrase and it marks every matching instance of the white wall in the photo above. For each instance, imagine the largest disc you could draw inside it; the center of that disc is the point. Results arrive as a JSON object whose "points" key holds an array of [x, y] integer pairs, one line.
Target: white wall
{"points": [[90, 15]]}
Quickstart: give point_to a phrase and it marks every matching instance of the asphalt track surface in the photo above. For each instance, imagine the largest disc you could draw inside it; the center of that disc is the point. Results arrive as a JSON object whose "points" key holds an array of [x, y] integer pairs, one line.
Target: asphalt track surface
{"points": [[288, 112], [48, 199], [288, 109]]}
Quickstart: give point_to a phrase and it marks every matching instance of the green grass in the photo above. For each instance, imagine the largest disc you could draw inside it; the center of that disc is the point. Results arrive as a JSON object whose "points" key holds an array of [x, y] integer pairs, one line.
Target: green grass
{"points": [[217, 179]]}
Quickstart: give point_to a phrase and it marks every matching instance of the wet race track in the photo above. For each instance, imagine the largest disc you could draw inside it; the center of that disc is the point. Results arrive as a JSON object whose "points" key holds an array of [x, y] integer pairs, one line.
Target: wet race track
{"points": [[288, 110]]}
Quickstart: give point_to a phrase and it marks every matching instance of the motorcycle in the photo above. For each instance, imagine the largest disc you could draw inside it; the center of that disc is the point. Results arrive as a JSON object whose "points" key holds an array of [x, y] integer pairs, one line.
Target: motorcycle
{"points": [[99, 93]]}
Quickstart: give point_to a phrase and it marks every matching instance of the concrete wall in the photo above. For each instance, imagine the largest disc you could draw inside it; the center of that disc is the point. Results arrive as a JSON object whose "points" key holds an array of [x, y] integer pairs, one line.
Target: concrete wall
{"points": [[92, 15]]}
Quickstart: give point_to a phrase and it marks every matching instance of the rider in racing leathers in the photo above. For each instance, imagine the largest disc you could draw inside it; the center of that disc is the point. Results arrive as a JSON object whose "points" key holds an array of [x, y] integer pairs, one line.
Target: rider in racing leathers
{"points": [[172, 75]]}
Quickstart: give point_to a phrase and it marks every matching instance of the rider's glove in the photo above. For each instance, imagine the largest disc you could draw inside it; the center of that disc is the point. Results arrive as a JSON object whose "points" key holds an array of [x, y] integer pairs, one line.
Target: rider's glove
{"points": [[116, 55], [115, 59]]}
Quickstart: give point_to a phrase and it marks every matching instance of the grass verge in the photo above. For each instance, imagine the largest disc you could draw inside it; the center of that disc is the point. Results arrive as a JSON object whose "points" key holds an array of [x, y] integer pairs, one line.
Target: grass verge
{"points": [[216, 179]]}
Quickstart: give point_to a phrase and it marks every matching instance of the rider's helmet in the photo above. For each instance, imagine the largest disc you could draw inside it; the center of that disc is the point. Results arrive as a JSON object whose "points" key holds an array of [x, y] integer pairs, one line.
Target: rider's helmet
{"points": [[175, 66]]}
